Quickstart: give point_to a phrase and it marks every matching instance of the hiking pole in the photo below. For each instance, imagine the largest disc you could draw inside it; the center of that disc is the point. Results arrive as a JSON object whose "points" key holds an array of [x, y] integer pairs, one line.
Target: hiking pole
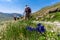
{"points": [[24, 15]]}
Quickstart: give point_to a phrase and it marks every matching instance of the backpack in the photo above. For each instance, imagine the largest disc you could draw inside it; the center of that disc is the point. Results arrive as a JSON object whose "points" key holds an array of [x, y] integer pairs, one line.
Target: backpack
{"points": [[28, 10]]}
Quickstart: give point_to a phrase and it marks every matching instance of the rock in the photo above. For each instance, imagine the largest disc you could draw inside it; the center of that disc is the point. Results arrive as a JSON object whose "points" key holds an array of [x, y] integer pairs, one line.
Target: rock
{"points": [[52, 10], [38, 17], [58, 10], [52, 16]]}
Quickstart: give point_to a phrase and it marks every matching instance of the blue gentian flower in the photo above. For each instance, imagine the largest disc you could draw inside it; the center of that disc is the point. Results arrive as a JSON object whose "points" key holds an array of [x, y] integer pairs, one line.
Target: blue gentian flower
{"points": [[30, 28], [40, 28]]}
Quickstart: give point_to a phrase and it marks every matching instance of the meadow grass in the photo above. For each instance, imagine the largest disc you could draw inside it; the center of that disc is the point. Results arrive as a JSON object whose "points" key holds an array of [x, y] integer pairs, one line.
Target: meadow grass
{"points": [[55, 18], [17, 31], [48, 17]]}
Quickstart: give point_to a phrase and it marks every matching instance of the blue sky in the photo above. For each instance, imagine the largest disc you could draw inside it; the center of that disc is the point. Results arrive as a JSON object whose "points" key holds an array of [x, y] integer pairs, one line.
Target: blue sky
{"points": [[17, 6]]}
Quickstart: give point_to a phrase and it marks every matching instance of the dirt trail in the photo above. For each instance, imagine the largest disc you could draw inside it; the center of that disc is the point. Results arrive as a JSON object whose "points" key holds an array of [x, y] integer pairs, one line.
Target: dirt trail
{"points": [[4, 23], [56, 23], [3, 26]]}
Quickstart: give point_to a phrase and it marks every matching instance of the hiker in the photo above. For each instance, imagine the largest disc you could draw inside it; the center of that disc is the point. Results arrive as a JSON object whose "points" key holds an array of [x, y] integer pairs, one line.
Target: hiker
{"points": [[28, 12], [15, 17]]}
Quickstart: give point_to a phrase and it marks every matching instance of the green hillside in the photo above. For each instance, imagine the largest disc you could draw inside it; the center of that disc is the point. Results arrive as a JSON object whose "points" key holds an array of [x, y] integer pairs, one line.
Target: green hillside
{"points": [[53, 17], [48, 12]]}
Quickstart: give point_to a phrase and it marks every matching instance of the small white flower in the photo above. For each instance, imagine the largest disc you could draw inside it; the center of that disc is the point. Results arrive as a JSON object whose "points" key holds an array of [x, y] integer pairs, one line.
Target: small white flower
{"points": [[0, 37], [52, 31]]}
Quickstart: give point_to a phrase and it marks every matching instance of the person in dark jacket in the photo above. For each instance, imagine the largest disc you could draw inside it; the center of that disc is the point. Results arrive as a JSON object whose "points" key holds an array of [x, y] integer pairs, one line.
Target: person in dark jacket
{"points": [[28, 12]]}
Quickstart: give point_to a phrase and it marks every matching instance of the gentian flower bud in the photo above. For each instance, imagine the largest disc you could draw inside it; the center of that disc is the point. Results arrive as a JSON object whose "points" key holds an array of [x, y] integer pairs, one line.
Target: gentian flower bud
{"points": [[39, 24]]}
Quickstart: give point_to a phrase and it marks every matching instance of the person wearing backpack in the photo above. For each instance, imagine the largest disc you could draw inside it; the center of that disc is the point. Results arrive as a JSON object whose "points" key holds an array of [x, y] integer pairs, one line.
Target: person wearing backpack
{"points": [[28, 12]]}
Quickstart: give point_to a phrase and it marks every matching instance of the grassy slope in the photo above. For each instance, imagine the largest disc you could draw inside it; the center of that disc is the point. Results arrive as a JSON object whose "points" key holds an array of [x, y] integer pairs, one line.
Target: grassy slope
{"points": [[45, 9], [47, 16], [55, 18], [17, 31]]}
